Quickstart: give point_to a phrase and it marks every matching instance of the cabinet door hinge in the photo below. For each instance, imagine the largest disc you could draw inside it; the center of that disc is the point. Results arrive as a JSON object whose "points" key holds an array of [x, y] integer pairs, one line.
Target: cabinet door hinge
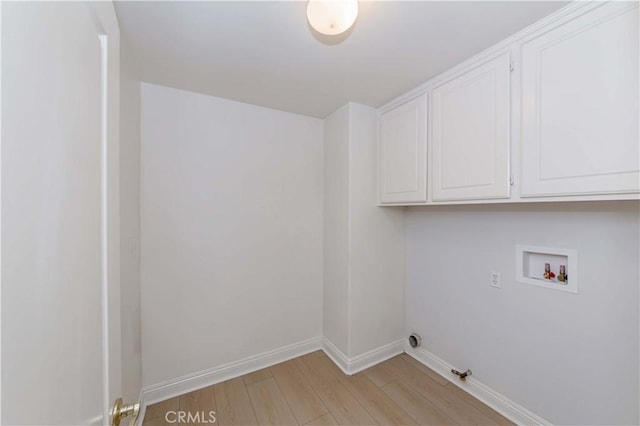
{"points": [[511, 66], [511, 180]]}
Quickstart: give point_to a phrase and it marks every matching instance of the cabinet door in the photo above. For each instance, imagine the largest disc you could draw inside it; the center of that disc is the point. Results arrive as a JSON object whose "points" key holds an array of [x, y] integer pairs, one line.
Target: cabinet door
{"points": [[580, 106], [470, 134], [403, 153]]}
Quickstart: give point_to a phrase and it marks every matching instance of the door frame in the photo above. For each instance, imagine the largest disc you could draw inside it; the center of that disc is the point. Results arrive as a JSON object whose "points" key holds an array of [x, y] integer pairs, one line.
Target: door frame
{"points": [[0, 209], [106, 23]]}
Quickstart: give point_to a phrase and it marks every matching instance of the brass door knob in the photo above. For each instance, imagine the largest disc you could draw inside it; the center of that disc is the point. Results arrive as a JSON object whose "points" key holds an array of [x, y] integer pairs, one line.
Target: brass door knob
{"points": [[121, 411]]}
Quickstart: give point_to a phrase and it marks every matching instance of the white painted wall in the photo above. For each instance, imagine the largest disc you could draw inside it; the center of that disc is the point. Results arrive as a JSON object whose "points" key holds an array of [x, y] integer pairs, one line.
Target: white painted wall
{"points": [[377, 244], [364, 244], [55, 271], [130, 225], [571, 359], [231, 231], [336, 229]]}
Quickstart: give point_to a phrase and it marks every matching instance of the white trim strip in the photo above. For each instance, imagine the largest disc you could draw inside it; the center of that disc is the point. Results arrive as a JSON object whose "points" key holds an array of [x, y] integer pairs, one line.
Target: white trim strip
{"points": [[478, 390], [181, 385], [350, 366], [189, 383], [104, 77], [0, 205], [336, 355]]}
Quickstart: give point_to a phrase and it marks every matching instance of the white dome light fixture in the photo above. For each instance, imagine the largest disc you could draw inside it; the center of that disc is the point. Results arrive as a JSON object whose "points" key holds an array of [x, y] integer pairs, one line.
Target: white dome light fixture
{"points": [[332, 17]]}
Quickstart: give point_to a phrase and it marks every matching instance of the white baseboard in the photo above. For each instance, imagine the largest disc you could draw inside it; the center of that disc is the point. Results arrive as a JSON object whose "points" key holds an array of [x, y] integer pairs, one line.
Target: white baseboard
{"points": [[336, 355], [181, 385], [503, 405], [143, 409], [356, 364]]}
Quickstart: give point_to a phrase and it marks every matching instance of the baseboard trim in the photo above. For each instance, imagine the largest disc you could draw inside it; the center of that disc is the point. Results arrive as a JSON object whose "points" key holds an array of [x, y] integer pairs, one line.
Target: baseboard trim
{"points": [[336, 356], [350, 366], [143, 409], [189, 383], [376, 356], [503, 405], [181, 385]]}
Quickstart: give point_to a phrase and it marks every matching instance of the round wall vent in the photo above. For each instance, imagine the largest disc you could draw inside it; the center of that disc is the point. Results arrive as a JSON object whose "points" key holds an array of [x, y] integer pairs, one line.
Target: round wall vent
{"points": [[415, 340]]}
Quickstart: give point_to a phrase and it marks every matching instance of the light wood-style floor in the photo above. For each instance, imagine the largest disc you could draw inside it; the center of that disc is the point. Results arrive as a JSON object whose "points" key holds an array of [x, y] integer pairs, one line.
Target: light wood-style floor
{"points": [[311, 390]]}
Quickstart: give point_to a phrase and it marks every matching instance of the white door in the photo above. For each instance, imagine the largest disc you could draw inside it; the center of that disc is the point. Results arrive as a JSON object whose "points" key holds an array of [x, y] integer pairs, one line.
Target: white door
{"points": [[403, 153], [580, 105], [470, 134], [55, 352]]}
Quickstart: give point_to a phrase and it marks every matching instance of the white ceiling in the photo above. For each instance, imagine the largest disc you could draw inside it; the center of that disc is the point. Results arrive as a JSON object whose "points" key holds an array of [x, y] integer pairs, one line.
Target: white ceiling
{"points": [[265, 53]]}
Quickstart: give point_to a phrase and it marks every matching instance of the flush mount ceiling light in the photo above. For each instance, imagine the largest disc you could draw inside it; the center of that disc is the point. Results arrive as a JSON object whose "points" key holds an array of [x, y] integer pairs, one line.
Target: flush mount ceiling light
{"points": [[332, 17]]}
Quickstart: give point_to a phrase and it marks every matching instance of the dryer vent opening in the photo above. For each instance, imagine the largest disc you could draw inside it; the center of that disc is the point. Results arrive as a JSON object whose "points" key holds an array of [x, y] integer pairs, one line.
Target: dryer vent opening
{"points": [[415, 340]]}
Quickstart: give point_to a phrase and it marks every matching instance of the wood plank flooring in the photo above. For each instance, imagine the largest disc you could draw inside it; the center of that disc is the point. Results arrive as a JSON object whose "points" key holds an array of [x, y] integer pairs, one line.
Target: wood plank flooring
{"points": [[311, 390]]}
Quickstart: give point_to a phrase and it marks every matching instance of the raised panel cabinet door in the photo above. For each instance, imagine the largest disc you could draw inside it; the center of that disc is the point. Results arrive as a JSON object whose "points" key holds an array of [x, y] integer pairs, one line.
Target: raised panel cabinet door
{"points": [[580, 106], [403, 153], [470, 134]]}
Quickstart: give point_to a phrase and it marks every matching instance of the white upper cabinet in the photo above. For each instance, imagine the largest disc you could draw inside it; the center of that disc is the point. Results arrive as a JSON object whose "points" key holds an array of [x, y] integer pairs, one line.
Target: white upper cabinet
{"points": [[563, 126], [471, 134], [403, 153], [580, 106]]}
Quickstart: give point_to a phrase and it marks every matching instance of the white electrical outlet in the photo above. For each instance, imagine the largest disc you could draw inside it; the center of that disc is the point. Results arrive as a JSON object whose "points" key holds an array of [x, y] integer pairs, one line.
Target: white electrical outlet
{"points": [[494, 279]]}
